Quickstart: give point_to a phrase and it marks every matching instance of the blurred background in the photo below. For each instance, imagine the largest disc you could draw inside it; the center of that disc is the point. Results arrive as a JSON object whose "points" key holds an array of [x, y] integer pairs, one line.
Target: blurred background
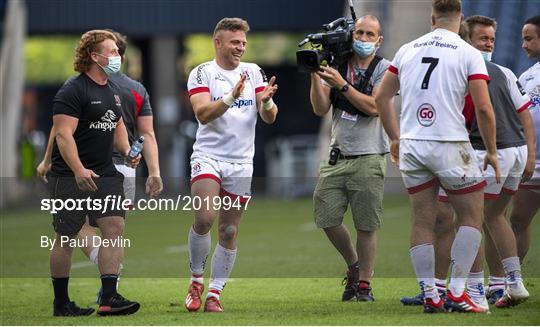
{"points": [[166, 40]]}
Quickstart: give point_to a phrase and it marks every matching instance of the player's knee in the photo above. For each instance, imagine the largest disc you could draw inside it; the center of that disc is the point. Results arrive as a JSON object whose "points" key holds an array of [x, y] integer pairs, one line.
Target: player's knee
{"points": [[228, 232], [518, 226], [444, 227], [205, 217], [202, 225], [113, 228]]}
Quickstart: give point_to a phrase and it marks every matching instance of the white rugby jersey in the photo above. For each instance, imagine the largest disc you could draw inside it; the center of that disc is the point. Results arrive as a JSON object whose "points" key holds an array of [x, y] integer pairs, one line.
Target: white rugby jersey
{"points": [[433, 72], [530, 81], [230, 137]]}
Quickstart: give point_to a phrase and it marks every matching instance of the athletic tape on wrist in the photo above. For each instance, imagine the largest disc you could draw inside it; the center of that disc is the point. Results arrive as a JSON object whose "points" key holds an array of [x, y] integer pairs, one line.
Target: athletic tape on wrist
{"points": [[228, 99], [268, 105]]}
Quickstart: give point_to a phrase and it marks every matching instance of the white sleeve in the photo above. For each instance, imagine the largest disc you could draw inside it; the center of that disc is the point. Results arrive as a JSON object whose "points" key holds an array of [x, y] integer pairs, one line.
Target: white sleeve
{"points": [[198, 80], [476, 66], [522, 78], [395, 66], [259, 78], [518, 95]]}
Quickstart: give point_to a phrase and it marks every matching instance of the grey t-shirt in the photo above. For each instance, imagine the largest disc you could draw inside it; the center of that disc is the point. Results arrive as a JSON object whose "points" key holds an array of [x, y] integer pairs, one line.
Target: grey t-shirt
{"points": [[508, 99], [358, 134]]}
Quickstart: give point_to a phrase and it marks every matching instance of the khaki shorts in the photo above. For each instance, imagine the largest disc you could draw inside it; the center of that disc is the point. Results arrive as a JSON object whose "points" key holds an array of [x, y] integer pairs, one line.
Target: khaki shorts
{"points": [[358, 182]]}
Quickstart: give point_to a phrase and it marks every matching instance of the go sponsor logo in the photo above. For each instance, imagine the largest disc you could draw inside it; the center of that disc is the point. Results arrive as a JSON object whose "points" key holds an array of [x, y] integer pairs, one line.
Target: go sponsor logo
{"points": [[426, 115]]}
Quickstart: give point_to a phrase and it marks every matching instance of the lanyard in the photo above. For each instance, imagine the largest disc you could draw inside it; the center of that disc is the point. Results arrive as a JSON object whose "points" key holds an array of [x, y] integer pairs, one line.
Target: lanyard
{"points": [[351, 72]]}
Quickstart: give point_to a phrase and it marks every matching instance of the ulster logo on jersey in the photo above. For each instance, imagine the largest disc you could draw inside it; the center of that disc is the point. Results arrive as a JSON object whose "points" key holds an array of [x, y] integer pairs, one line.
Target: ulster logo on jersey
{"points": [[195, 168], [246, 73], [426, 115], [117, 99]]}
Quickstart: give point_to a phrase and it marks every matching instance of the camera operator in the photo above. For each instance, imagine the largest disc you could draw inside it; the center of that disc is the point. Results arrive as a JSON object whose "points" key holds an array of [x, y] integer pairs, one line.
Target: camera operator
{"points": [[356, 168]]}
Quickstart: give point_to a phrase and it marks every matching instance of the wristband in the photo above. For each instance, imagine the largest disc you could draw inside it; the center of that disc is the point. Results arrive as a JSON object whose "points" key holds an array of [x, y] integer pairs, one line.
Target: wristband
{"points": [[268, 105], [228, 99]]}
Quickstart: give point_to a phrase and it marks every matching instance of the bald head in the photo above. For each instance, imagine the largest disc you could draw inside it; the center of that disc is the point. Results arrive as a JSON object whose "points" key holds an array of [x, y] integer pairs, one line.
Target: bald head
{"points": [[369, 19]]}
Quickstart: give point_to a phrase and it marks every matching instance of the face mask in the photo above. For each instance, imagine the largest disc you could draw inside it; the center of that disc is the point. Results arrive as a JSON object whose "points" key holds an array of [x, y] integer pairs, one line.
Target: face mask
{"points": [[486, 55], [114, 65], [364, 49]]}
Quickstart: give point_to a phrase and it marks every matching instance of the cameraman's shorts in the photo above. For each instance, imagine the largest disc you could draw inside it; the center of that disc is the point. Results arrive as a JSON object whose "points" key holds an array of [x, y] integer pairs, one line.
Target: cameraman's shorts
{"points": [[69, 220], [358, 182]]}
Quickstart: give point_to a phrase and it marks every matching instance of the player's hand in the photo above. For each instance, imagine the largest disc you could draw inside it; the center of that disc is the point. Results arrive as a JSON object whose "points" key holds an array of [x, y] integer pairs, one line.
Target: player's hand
{"points": [[84, 180], [132, 162], [394, 152], [269, 90], [154, 186], [529, 169], [239, 87], [491, 159], [42, 169], [332, 77]]}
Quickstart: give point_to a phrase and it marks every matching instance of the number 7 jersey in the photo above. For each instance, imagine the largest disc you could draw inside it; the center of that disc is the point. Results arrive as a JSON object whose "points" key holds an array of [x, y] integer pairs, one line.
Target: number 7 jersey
{"points": [[434, 72]]}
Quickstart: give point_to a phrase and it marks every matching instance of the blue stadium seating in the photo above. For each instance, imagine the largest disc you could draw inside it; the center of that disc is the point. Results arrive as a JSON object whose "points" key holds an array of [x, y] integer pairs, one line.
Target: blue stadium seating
{"points": [[510, 15]]}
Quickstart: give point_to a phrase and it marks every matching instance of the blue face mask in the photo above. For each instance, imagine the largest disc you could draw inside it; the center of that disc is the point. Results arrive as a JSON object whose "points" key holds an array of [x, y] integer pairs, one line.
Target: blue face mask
{"points": [[486, 55], [364, 49], [114, 65]]}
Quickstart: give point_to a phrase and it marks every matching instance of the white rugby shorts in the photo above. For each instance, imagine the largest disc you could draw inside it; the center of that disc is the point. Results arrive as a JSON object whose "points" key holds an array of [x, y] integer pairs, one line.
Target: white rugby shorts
{"points": [[511, 165], [234, 178], [452, 165], [534, 183]]}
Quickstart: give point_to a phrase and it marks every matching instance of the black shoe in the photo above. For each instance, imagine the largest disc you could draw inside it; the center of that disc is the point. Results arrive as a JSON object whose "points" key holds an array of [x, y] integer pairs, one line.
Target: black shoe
{"points": [[117, 305], [351, 287], [70, 309], [494, 296], [364, 293], [415, 300]]}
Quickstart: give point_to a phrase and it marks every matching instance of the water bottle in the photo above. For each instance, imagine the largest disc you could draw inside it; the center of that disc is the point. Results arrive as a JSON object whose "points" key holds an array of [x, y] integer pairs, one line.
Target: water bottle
{"points": [[136, 149]]}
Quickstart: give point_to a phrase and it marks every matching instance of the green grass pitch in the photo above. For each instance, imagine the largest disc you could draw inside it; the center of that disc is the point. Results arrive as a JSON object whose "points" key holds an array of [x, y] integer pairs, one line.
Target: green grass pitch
{"points": [[286, 273]]}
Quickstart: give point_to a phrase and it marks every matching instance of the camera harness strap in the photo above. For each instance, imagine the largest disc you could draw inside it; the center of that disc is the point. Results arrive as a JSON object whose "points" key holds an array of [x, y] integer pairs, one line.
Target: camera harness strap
{"points": [[335, 95], [367, 75]]}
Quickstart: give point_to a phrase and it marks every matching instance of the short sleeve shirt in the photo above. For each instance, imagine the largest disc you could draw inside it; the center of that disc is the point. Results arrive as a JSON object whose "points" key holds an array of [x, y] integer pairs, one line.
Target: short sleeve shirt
{"points": [[135, 104], [433, 73], [230, 137], [98, 109], [507, 100], [358, 134], [530, 81]]}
